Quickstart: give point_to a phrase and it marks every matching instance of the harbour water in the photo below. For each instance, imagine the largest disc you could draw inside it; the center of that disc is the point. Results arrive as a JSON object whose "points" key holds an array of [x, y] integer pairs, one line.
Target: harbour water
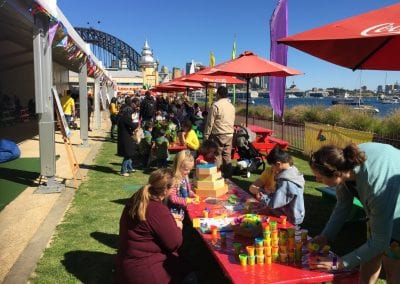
{"points": [[384, 109]]}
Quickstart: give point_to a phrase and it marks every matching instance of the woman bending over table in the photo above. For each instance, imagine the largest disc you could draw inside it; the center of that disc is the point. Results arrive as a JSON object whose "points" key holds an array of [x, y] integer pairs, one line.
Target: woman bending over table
{"points": [[149, 236], [370, 172]]}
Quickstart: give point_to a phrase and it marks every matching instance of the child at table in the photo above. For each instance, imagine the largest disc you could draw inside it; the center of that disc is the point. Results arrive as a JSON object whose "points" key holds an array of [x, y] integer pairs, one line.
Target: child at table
{"points": [[189, 136], [182, 194], [207, 152], [146, 143], [161, 149], [287, 196]]}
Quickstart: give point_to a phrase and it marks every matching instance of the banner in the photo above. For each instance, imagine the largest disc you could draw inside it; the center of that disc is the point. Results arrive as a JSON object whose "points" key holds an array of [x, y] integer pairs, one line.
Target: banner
{"points": [[278, 54], [317, 135]]}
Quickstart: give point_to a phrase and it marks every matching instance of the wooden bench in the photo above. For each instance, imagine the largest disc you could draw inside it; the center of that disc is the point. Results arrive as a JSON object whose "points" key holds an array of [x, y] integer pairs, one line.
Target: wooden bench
{"points": [[329, 195]]}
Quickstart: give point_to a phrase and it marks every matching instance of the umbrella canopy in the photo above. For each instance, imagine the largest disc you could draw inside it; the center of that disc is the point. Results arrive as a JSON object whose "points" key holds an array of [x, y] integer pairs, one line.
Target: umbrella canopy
{"points": [[203, 77], [180, 83], [367, 41], [249, 65], [167, 89]]}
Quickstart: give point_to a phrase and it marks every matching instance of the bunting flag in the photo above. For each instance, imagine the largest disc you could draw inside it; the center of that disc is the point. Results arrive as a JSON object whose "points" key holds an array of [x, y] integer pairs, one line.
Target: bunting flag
{"points": [[233, 57], [278, 53], [52, 33], [211, 89], [63, 42]]}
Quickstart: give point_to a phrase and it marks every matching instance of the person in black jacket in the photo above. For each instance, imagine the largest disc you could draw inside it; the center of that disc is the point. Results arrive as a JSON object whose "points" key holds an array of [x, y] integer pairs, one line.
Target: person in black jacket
{"points": [[147, 108], [125, 146]]}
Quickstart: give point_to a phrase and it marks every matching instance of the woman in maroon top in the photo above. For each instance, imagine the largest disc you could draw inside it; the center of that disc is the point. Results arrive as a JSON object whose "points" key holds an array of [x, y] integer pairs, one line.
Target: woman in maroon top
{"points": [[149, 236]]}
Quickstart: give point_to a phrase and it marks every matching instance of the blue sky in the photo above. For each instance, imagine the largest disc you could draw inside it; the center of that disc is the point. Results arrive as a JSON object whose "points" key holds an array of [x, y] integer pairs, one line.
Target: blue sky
{"points": [[181, 30]]}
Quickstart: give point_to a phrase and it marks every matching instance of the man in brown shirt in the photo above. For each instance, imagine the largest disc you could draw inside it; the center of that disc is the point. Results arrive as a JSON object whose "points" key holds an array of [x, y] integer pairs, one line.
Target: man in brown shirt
{"points": [[219, 128]]}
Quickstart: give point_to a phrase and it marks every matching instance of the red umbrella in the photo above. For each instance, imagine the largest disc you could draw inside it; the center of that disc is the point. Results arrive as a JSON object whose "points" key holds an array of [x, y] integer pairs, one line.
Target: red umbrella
{"points": [[204, 77], [167, 89], [367, 41], [249, 65]]}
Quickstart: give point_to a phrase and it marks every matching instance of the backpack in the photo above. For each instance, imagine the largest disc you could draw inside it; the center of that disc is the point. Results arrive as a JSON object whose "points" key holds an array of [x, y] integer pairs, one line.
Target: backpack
{"points": [[148, 109]]}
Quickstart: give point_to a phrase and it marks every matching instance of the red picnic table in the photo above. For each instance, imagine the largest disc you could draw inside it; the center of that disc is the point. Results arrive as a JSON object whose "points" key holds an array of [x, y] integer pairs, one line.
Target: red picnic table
{"points": [[264, 141], [176, 147], [259, 273]]}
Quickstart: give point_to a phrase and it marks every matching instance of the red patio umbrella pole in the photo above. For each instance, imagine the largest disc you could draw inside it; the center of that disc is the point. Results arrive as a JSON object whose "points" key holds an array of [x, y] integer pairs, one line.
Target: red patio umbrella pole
{"points": [[247, 99]]}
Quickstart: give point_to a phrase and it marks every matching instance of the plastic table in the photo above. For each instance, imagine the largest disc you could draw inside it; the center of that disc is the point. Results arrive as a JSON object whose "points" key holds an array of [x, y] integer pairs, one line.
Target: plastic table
{"points": [[267, 273]]}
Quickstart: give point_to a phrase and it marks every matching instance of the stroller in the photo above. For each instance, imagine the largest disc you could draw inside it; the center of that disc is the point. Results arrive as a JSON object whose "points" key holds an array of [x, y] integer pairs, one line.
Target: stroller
{"points": [[249, 157]]}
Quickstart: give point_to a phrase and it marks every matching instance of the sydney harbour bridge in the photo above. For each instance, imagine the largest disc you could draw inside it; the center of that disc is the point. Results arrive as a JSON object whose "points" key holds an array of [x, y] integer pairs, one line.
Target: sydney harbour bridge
{"points": [[109, 49]]}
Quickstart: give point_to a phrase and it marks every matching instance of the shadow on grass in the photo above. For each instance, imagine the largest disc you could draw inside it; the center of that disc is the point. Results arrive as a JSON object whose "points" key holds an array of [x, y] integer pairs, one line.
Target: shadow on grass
{"points": [[110, 240], [98, 168], [309, 178], [18, 176], [90, 266], [121, 201]]}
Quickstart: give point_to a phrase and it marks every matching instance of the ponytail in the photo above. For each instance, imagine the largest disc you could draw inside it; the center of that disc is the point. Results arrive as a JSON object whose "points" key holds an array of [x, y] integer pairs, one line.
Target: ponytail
{"points": [[159, 181], [140, 201], [353, 156], [330, 160]]}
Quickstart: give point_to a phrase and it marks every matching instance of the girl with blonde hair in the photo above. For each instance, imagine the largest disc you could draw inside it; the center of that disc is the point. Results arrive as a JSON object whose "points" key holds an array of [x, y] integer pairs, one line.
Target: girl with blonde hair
{"points": [[182, 193], [149, 236]]}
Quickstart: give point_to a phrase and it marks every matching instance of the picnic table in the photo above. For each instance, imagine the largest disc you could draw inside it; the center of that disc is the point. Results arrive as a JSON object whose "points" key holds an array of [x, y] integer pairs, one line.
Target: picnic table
{"points": [[176, 147], [266, 273], [264, 141]]}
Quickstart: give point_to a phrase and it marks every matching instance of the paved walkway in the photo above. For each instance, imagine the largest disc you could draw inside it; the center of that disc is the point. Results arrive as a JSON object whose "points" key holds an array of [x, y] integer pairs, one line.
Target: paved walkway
{"points": [[28, 222]]}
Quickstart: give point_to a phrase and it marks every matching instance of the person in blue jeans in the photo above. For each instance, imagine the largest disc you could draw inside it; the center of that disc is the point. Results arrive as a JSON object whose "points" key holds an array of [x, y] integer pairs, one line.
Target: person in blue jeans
{"points": [[125, 146]]}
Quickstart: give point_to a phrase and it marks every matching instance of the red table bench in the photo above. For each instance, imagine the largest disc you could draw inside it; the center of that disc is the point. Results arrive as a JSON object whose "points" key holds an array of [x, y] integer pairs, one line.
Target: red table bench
{"points": [[267, 273]]}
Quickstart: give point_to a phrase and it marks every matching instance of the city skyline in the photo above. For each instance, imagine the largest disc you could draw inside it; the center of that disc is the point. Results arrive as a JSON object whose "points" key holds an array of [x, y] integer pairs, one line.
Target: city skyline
{"points": [[179, 32]]}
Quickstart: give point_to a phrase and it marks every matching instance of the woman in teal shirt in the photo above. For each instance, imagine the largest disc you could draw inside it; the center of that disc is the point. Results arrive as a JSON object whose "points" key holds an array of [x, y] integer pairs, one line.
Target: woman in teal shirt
{"points": [[370, 172]]}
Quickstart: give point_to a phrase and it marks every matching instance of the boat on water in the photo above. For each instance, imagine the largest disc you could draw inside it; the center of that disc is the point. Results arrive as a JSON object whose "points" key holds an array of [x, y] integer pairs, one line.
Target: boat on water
{"points": [[357, 103], [243, 101], [388, 99], [317, 94], [348, 100], [367, 108]]}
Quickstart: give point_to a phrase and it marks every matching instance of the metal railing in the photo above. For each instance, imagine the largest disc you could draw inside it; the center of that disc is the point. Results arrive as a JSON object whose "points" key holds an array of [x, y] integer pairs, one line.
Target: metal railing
{"points": [[294, 132]]}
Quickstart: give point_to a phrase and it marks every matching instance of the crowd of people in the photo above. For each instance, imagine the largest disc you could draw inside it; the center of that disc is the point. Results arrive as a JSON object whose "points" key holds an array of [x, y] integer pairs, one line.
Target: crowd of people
{"points": [[157, 122], [369, 171]]}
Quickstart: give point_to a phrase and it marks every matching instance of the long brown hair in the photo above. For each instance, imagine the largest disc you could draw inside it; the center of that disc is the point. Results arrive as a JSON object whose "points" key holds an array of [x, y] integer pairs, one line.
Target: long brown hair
{"points": [[331, 160], [159, 181]]}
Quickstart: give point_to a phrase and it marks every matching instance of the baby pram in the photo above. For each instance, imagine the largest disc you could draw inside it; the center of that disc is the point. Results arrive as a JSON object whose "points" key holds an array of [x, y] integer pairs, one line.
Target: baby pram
{"points": [[249, 157]]}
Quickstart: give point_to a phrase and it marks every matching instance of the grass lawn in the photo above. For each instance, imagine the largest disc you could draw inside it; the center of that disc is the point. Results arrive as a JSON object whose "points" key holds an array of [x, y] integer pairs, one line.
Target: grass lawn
{"points": [[84, 244]]}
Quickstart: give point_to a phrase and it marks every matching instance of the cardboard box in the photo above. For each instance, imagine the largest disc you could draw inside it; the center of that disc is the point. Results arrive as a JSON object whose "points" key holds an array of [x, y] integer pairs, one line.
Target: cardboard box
{"points": [[212, 192], [209, 177], [205, 169], [210, 184]]}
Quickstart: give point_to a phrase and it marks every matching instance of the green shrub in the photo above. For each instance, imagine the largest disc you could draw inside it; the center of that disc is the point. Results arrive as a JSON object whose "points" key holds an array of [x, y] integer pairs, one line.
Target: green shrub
{"points": [[390, 125]]}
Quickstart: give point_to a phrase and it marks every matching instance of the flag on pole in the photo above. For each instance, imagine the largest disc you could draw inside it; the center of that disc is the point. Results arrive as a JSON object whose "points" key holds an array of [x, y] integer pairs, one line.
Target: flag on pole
{"points": [[233, 57], [278, 53], [211, 90]]}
